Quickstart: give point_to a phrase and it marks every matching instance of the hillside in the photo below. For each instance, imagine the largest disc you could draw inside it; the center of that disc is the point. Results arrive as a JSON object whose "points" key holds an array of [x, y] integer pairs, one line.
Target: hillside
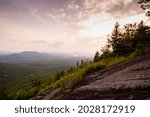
{"points": [[127, 80], [130, 80], [24, 75]]}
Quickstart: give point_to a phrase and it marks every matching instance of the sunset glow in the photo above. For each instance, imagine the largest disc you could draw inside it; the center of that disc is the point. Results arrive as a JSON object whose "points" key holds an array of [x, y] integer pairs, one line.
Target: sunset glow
{"points": [[79, 26]]}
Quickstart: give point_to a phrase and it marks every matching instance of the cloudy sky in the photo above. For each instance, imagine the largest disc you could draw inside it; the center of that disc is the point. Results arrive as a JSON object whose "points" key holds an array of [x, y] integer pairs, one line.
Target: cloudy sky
{"points": [[79, 26]]}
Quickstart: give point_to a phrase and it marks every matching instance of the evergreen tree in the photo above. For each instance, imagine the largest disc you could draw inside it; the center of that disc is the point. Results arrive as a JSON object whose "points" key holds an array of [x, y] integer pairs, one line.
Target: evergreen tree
{"points": [[127, 38], [105, 52], [142, 36], [97, 57], [115, 40]]}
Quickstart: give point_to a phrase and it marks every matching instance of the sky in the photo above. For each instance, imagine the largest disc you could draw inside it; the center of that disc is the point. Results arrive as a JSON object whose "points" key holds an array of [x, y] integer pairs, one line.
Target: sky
{"points": [[70, 26]]}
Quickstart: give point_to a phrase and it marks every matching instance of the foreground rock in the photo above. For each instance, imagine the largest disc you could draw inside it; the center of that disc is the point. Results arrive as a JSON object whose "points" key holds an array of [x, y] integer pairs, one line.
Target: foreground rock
{"points": [[130, 80]]}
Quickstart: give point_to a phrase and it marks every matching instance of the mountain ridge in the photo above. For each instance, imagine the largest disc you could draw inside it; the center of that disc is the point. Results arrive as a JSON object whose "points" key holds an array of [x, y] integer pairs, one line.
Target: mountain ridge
{"points": [[33, 56]]}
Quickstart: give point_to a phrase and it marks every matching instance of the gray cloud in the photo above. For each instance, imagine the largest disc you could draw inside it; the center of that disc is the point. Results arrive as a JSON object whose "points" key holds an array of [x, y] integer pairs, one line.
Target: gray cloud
{"points": [[122, 10], [65, 10]]}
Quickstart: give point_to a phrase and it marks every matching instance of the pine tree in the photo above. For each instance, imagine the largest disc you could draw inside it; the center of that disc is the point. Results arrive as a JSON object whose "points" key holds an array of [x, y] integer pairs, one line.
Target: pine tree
{"points": [[127, 38], [115, 40], [97, 57], [142, 36]]}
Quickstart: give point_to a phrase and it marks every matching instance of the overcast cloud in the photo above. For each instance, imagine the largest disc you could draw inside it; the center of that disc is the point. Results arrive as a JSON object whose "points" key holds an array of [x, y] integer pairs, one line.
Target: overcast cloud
{"points": [[62, 25]]}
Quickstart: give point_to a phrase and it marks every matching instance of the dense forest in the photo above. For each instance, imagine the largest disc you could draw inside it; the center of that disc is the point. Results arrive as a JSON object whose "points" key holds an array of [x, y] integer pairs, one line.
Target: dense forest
{"points": [[24, 80]]}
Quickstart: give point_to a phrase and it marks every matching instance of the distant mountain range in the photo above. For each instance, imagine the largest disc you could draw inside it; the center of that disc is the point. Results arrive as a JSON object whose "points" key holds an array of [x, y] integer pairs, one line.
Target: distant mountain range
{"points": [[32, 56]]}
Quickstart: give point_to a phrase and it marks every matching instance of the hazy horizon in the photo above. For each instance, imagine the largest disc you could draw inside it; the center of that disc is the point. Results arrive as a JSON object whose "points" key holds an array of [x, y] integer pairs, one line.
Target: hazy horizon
{"points": [[62, 26]]}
